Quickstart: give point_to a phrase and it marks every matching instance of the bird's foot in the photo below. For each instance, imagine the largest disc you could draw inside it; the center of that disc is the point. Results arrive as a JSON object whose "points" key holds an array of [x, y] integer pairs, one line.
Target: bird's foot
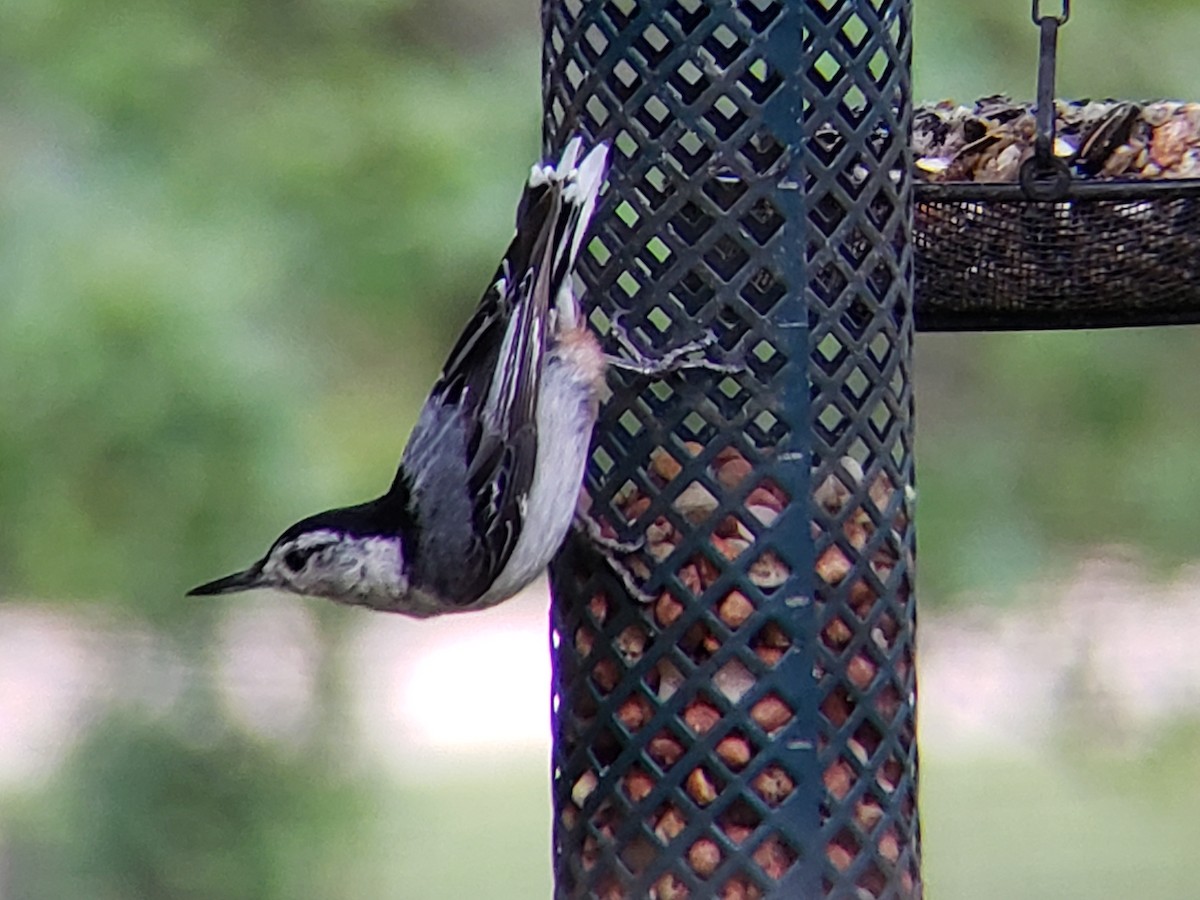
{"points": [[691, 355], [616, 553]]}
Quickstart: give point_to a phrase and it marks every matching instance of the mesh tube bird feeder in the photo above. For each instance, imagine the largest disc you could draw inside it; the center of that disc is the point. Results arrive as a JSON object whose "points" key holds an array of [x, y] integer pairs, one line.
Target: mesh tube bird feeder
{"points": [[734, 700]]}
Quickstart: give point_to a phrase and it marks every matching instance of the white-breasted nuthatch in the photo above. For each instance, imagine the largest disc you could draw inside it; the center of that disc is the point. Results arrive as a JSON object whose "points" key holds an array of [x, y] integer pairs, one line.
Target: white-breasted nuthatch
{"points": [[487, 486]]}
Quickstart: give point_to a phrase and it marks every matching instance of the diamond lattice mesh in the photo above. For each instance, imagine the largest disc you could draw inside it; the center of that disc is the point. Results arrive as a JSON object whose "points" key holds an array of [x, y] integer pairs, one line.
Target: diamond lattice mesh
{"points": [[988, 258], [734, 700]]}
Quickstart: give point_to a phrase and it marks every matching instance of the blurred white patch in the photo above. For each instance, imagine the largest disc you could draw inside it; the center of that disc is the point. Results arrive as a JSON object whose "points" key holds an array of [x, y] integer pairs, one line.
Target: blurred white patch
{"points": [[473, 682], [50, 673], [266, 658], [147, 670], [1107, 651]]}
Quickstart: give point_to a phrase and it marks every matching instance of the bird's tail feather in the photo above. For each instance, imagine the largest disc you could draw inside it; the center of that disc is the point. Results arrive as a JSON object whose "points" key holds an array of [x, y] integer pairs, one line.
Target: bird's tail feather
{"points": [[584, 190], [577, 184]]}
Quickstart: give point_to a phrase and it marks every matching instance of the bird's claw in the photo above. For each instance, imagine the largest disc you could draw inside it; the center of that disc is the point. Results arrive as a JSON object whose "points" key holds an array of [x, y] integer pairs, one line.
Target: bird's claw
{"points": [[689, 355], [594, 532], [610, 550]]}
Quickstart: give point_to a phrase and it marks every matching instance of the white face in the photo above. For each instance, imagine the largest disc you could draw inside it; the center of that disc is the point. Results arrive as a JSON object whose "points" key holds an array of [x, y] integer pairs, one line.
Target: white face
{"points": [[364, 571]]}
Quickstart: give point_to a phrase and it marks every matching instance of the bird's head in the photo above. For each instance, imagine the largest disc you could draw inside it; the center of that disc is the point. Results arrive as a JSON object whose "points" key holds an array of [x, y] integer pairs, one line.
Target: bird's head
{"points": [[343, 555]]}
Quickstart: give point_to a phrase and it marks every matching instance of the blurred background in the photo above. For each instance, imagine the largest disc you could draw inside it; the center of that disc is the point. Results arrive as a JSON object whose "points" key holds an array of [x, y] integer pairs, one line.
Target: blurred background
{"points": [[237, 239]]}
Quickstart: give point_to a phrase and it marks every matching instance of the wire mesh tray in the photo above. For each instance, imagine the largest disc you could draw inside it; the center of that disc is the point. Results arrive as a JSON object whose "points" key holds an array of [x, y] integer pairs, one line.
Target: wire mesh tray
{"points": [[1069, 246]]}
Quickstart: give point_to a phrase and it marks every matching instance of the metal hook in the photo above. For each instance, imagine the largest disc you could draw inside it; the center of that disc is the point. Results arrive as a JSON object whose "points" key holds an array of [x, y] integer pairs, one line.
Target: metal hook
{"points": [[1038, 18], [1044, 176]]}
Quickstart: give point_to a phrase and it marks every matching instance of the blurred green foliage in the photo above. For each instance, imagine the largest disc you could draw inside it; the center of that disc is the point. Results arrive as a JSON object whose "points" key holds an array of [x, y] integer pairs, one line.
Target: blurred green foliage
{"points": [[1054, 827], [237, 238], [227, 224], [141, 810], [1033, 448]]}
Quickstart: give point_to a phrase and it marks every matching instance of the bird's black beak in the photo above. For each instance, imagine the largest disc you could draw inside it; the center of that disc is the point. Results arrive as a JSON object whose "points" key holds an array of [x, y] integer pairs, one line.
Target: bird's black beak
{"points": [[231, 584]]}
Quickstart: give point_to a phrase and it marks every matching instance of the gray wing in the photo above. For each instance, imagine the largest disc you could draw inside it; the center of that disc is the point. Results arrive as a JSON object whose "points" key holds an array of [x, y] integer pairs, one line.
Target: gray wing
{"points": [[488, 393], [478, 430]]}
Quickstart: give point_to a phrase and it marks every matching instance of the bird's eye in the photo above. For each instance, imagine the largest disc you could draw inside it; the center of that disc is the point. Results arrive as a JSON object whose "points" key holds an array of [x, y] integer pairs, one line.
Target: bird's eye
{"points": [[295, 559]]}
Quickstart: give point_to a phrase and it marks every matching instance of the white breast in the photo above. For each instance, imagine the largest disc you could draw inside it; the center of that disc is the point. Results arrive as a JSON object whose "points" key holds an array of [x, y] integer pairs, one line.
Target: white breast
{"points": [[566, 414]]}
